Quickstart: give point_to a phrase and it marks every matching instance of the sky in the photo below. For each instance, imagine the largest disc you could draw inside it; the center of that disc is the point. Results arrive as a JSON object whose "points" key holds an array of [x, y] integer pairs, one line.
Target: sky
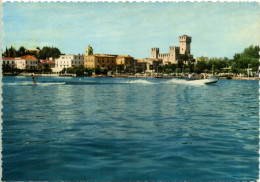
{"points": [[217, 29]]}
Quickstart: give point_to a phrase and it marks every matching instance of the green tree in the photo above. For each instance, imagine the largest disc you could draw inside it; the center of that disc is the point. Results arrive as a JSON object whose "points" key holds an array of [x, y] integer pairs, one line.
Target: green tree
{"points": [[21, 51], [80, 70], [200, 66], [6, 53]]}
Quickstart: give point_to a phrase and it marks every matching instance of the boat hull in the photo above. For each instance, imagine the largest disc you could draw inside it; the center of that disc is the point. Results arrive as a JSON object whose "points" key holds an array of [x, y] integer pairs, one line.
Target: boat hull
{"points": [[207, 80], [210, 80]]}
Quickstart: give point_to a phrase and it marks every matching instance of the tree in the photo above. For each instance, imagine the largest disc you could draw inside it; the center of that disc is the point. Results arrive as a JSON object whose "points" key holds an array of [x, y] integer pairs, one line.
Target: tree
{"points": [[80, 70], [200, 66], [21, 51], [6, 53], [180, 64], [12, 52]]}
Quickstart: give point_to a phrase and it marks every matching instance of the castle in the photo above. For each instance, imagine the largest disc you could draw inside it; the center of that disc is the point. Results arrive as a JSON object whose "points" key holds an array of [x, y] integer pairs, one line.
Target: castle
{"points": [[176, 53]]}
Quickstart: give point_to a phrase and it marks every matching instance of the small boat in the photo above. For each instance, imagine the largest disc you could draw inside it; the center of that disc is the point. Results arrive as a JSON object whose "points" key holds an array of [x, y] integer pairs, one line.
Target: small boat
{"points": [[210, 80], [207, 80]]}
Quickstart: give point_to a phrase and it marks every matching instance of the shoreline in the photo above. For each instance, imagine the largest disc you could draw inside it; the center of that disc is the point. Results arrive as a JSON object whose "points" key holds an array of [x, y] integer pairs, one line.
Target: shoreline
{"points": [[126, 76]]}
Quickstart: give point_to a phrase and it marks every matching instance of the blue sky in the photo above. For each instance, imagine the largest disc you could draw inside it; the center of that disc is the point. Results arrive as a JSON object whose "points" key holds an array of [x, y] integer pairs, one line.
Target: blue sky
{"points": [[217, 29]]}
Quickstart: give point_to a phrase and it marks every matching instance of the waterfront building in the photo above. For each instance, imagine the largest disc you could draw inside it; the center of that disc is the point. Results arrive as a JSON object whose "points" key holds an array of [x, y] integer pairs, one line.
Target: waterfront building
{"points": [[175, 53], [26, 62], [9, 61], [67, 61], [48, 62], [126, 61], [106, 61], [149, 65], [100, 61]]}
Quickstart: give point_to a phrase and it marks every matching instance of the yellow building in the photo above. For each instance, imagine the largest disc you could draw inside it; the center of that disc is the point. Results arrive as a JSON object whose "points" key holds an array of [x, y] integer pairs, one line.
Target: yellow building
{"points": [[106, 61], [100, 61], [125, 61]]}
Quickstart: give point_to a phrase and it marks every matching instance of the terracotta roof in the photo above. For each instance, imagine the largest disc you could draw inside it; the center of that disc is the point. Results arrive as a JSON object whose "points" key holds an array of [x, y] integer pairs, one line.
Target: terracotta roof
{"points": [[46, 61], [28, 57], [7, 58]]}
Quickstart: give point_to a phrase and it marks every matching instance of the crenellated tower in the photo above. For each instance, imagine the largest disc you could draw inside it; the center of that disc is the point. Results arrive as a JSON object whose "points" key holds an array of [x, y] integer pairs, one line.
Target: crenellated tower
{"points": [[154, 53], [184, 41]]}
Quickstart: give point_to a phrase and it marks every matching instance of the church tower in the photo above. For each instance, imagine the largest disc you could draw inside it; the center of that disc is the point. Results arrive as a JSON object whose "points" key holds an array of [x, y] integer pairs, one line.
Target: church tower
{"points": [[154, 53], [89, 51], [184, 41]]}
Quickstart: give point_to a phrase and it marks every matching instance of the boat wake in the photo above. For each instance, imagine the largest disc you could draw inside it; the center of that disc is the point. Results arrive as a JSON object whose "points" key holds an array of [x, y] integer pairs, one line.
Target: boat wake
{"points": [[31, 83], [140, 82]]}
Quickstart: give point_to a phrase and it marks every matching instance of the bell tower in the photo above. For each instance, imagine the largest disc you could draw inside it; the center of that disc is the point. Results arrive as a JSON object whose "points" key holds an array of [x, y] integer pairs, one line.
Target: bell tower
{"points": [[89, 51]]}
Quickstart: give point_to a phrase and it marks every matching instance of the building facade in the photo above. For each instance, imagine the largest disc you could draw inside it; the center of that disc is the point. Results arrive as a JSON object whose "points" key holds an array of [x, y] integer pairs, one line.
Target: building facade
{"points": [[100, 61], [149, 65], [175, 52], [126, 61], [26, 62], [67, 61], [106, 61], [49, 63], [9, 61]]}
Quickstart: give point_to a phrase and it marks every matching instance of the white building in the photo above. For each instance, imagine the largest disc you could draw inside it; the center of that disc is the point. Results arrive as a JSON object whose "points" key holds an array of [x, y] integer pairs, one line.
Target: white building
{"points": [[9, 61], [66, 61], [26, 62]]}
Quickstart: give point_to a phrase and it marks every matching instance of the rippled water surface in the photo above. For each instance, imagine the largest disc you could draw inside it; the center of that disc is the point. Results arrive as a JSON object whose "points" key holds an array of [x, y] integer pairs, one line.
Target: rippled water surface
{"points": [[129, 129]]}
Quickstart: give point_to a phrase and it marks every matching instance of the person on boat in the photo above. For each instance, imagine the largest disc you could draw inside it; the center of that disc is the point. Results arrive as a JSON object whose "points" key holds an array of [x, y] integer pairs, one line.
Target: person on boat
{"points": [[33, 78], [202, 76]]}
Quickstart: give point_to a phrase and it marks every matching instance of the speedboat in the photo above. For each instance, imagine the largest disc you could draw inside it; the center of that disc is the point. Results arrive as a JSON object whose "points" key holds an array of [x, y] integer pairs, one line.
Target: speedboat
{"points": [[210, 80], [207, 80]]}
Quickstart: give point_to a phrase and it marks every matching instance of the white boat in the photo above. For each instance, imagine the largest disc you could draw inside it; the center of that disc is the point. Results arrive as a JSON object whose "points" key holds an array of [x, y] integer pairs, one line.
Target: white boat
{"points": [[207, 80], [210, 80]]}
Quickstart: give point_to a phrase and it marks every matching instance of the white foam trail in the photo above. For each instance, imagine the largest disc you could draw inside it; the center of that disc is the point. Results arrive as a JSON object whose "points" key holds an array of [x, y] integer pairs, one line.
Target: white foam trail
{"points": [[31, 83], [58, 83], [140, 82], [192, 82], [19, 83]]}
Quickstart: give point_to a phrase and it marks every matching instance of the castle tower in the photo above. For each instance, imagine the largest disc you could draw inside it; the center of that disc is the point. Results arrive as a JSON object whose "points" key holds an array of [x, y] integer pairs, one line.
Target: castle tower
{"points": [[154, 53], [89, 51], [174, 54], [184, 41]]}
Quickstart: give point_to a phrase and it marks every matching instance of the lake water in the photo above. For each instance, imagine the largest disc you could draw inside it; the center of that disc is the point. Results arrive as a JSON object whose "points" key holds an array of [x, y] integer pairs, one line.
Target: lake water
{"points": [[68, 128]]}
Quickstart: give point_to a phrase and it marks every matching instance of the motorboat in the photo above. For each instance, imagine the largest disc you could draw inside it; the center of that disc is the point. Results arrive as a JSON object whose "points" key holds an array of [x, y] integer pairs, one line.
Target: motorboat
{"points": [[203, 80], [210, 80]]}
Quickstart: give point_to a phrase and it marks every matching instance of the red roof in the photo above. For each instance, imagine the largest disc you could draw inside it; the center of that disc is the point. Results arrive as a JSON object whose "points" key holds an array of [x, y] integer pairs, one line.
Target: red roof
{"points": [[7, 58], [47, 61], [28, 57]]}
